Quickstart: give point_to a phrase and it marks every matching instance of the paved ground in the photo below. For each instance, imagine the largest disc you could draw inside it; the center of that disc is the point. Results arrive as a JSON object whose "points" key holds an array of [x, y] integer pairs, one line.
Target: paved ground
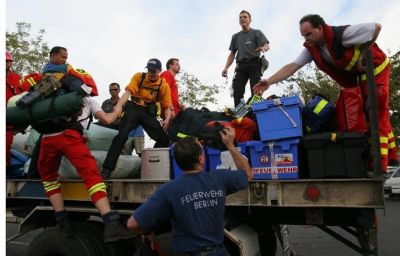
{"points": [[306, 240]]}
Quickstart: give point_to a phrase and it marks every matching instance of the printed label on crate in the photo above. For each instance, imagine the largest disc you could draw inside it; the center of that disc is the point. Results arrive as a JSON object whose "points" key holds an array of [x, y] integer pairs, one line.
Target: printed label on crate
{"points": [[287, 169], [284, 158], [264, 159]]}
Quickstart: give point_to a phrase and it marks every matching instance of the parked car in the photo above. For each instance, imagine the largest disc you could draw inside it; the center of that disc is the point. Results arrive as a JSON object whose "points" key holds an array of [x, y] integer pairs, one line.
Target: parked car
{"points": [[392, 183]]}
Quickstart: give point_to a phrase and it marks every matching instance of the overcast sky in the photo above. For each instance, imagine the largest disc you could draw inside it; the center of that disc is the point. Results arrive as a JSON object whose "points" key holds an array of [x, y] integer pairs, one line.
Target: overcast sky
{"points": [[112, 40]]}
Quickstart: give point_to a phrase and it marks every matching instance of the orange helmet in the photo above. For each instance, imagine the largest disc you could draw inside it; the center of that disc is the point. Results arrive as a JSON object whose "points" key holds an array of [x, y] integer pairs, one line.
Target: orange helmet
{"points": [[8, 56]]}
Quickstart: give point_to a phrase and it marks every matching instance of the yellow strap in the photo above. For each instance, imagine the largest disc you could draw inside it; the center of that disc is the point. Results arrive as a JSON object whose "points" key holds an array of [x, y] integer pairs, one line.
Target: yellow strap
{"points": [[31, 81], [383, 140], [354, 60], [390, 135], [98, 187], [181, 135], [392, 145], [50, 188], [320, 106], [333, 137], [384, 151], [49, 182], [377, 70]]}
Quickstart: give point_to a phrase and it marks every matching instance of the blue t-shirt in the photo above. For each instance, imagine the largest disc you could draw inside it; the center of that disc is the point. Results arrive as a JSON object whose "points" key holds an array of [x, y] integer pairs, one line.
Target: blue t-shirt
{"points": [[195, 204]]}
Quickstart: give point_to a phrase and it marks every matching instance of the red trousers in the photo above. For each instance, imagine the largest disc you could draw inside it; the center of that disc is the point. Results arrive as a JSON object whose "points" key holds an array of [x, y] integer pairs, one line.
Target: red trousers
{"points": [[386, 137], [9, 140], [70, 144]]}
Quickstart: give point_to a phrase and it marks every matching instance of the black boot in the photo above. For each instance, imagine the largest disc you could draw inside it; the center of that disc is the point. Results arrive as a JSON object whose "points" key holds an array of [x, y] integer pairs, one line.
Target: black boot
{"points": [[114, 231], [64, 223], [66, 228]]}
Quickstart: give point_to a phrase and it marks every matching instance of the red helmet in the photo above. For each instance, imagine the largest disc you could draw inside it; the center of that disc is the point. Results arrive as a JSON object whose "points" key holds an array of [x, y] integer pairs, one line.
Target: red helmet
{"points": [[8, 56]]}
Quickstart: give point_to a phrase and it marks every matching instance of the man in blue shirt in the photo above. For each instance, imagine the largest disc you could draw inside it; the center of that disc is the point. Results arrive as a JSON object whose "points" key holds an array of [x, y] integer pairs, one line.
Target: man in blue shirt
{"points": [[195, 197], [135, 141]]}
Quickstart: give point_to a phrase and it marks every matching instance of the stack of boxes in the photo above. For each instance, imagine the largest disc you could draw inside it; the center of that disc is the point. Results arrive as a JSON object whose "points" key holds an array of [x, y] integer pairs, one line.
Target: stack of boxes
{"points": [[275, 156]]}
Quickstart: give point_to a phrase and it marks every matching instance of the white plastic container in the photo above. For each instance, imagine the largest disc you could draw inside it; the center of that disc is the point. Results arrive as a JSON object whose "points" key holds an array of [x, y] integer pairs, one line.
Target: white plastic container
{"points": [[155, 164]]}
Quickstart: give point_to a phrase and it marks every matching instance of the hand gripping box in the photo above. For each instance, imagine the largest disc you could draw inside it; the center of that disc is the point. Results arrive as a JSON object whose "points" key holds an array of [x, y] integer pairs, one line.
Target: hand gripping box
{"points": [[279, 118], [274, 159]]}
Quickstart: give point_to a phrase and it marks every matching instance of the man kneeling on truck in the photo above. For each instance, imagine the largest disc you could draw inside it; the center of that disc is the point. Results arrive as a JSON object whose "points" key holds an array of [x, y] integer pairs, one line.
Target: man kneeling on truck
{"points": [[65, 138], [195, 197]]}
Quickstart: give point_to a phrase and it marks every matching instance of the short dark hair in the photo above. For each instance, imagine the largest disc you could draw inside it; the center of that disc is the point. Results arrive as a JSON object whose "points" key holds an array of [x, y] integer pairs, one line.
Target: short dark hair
{"points": [[244, 11], [170, 62], [114, 84], [187, 152], [314, 19], [57, 49]]}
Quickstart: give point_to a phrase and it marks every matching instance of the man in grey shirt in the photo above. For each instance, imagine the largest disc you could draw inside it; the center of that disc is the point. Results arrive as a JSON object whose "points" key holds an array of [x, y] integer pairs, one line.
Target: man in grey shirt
{"points": [[247, 46]]}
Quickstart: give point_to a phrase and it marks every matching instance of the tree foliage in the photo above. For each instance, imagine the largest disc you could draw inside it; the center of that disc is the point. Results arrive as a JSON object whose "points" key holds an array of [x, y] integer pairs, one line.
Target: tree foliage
{"points": [[312, 81], [29, 52], [394, 93], [194, 93]]}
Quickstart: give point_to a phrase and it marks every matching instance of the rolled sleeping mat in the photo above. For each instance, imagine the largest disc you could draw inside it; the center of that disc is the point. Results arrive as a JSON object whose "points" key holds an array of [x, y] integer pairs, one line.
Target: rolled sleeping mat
{"points": [[128, 166], [99, 137], [12, 101], [64, 105]]}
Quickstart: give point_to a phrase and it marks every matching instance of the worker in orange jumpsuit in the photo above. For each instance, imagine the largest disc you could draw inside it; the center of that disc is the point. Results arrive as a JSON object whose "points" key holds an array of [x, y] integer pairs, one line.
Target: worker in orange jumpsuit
{"points": [[339, 52]]}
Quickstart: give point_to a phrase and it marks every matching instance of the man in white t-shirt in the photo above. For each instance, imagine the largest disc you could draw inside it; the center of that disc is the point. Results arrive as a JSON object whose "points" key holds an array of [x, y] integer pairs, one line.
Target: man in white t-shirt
{"points": [[92, 107], [339, 52]]}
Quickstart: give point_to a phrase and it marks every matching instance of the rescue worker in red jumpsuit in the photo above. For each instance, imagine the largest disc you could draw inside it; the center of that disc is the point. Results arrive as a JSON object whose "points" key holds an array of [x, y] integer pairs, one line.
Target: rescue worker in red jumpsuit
{"points": [[12, 88], [65, 138], [339, 52]]}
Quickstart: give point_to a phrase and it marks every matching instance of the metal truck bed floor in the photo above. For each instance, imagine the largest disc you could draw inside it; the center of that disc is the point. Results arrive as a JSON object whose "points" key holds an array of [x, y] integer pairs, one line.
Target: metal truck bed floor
{"points": [[352, 193]]}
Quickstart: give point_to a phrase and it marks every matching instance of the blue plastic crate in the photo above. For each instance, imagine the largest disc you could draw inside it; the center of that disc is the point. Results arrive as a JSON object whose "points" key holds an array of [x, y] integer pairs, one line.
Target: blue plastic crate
{"points": [[214, 156], [279, 118], [274, 159], [176, 170]]}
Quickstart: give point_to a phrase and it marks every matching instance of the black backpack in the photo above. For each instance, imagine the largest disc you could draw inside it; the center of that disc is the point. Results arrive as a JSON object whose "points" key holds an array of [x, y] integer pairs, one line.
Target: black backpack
{"points": [[193, 122]]}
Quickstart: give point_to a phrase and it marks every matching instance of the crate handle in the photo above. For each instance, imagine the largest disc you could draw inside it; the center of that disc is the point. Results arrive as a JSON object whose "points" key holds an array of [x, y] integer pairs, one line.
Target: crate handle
{"points": [[277, 102], [154, 159], [288, 116]]}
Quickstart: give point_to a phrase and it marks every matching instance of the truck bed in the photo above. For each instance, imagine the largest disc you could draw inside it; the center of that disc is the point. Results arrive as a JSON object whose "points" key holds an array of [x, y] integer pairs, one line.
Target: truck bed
{"points": [[330, 193]]}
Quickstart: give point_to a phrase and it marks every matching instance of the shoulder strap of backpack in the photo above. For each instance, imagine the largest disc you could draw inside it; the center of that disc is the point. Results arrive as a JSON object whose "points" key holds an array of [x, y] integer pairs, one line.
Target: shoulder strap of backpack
{"points": [[158, 90], [142, 80]]}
